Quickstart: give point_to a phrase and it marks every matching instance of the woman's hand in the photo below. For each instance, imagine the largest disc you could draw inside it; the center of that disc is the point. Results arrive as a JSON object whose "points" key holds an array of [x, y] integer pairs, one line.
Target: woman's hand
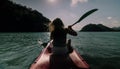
{"points": [[71, 31]]}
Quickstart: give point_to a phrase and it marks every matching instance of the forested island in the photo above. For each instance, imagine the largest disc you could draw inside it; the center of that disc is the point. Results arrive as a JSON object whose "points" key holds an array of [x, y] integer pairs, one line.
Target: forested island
{"points": [[99, 28], [17, 18]]}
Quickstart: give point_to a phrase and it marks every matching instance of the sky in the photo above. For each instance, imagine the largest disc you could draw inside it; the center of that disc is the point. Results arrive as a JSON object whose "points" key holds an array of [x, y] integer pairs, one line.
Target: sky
{"points": [[71, 10]]}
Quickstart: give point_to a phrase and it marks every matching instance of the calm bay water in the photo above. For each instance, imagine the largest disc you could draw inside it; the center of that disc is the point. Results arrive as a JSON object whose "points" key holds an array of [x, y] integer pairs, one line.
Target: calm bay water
{"points": [[101, 50]]}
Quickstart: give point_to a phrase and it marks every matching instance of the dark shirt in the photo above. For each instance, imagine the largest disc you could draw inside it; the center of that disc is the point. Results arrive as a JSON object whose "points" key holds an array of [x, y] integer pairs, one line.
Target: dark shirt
{"points": [[59, 36]]}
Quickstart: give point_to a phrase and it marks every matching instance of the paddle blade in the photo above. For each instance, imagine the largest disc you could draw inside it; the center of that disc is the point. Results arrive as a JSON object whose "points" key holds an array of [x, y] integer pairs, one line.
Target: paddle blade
{"points": [[85, 15]]}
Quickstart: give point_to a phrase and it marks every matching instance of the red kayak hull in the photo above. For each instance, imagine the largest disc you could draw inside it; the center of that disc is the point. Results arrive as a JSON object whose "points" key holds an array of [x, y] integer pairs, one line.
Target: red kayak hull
{"points": [[43, 61]]}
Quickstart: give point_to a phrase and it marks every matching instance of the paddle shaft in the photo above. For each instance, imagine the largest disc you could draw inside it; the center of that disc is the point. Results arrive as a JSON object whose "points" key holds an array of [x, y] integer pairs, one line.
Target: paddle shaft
{"points": [[84, 16]]}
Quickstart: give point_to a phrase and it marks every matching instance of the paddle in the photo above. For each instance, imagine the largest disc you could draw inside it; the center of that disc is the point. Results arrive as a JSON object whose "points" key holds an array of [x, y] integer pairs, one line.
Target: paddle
{"points": [[84, 16]]}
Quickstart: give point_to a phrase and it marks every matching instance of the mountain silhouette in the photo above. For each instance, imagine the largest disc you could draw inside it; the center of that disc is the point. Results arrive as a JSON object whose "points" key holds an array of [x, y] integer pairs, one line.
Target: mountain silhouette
{"points": [[17, 18], [96, 28]]}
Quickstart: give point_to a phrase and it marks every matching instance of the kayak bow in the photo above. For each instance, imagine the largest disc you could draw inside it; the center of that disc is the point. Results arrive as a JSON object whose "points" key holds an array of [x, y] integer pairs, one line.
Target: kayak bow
{"points": [[43, 60]]}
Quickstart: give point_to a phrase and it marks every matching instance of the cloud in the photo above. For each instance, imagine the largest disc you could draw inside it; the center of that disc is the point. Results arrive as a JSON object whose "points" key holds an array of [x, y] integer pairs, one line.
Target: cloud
{"points": [[109, 18], [75, 2]]}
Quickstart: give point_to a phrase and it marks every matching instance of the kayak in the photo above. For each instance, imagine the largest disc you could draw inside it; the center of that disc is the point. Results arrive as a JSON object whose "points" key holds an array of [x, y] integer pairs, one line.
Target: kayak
{"points": [[45, 60]]}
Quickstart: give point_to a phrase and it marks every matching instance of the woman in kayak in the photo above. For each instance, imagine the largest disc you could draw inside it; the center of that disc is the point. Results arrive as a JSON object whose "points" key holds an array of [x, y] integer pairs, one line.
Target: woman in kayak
{"points": [[59, 36], [61, 48]]}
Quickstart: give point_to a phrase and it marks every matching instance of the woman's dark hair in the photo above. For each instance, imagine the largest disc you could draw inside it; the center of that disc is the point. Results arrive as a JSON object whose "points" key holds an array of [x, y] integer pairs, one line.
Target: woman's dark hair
{"points": [[58, 23]]}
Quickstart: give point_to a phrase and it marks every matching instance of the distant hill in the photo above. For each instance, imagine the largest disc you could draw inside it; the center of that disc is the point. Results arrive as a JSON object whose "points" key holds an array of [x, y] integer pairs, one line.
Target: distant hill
{"points": [[116, 28], [17, 18], [96, 28]]}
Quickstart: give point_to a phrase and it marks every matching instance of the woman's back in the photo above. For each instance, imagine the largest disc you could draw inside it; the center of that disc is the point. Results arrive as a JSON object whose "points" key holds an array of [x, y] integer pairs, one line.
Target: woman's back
{"points": [[59, 37]]}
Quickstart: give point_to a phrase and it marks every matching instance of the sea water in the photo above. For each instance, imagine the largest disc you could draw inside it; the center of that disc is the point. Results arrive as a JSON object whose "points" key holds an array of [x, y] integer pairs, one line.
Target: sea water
{"points": [[101, 50]]}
